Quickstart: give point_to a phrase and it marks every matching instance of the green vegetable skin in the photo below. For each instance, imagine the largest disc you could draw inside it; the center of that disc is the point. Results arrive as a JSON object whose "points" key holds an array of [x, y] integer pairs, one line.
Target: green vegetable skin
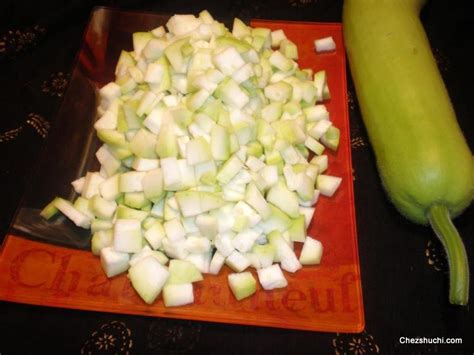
{"points": [[425, 164]]}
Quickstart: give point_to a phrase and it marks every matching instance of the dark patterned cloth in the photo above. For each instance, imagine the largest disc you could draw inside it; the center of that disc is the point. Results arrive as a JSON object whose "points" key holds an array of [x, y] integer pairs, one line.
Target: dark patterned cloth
{"points": [[404, 270]]}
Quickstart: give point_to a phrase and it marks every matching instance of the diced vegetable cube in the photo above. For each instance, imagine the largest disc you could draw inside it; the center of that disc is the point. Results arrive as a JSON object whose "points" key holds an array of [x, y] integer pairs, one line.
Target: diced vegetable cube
{"points": [[127, 236], [178, 295], [113, 262], [271, 277], [242, 284], [148, 277]]}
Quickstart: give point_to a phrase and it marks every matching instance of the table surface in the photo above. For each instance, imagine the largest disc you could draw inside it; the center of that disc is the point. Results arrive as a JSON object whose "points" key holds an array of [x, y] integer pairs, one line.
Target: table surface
{"points": [[403, 267]]}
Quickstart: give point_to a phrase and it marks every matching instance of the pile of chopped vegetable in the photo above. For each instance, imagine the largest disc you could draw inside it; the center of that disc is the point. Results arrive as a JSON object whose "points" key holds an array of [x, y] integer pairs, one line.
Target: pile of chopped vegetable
{"points": [[206, 138]]}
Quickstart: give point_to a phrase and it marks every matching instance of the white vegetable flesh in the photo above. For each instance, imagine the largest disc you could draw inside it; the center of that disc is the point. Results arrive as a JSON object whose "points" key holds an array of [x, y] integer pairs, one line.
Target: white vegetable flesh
{"points": [[204, 161], [325, 44]]}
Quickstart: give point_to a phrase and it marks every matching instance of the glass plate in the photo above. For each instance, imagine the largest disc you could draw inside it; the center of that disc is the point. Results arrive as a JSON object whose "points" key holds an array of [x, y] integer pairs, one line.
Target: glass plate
{"points": [[52, 269]]}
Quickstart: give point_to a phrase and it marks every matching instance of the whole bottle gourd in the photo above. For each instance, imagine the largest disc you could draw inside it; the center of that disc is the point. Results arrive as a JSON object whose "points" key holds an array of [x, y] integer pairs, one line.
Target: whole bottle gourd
{"points": [[424, 162]]}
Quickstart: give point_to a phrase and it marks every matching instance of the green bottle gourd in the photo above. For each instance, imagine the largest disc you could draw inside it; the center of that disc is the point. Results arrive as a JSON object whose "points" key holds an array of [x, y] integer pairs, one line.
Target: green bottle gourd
{"points": [[423, 159]]}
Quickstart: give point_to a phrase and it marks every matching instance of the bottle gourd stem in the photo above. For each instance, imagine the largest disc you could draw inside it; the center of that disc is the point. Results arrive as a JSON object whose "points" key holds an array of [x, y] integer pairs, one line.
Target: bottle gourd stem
{"points": [[440, 221]]}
